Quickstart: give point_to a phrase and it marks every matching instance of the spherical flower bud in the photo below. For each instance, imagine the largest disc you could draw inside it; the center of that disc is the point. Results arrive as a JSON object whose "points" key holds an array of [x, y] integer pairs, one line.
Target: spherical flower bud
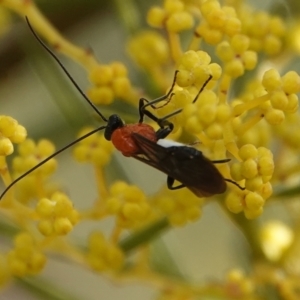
{"points": [[148, 49], [266, 165], [240, 43], [113, 205], [45, 147], [189, 59], [193, 125], [6, 146], [45, 227], [215, 70], [45, 207], [252, 214], [223, 113], [248, 151], [172, 6], [234, 68], [156, 16], [293, 103], [234, 202], [119, 69], [8, 126], [272, 45], [271, 80], [249, 59], [37, 262], [101, 75], [216, 18], [291, 82], [185, 78], [225, 52], [249, 168], [121, 86], [23, 239], [232, 26], [277, 26], [254, 201], [132, 211], [19, 135], [279, 100], [207, 114], [101, 95], [214, 131], [209, 6], [254, 184], [62, 226], [274, 116]]}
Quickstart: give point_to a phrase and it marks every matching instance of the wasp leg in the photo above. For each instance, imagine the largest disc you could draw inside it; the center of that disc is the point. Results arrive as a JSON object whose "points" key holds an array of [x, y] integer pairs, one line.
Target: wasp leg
{"points": [[235, 183], [221, 161], [143, 105], [170, 182], [166, 127]]}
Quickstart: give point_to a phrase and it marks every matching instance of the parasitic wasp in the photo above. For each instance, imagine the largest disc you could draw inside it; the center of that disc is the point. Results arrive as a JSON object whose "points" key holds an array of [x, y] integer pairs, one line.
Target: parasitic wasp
{"points": [[179, 162]]}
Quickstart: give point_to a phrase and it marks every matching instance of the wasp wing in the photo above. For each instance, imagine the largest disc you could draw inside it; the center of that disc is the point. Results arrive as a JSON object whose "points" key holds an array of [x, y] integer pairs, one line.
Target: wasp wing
{"points": [[185, 164]]}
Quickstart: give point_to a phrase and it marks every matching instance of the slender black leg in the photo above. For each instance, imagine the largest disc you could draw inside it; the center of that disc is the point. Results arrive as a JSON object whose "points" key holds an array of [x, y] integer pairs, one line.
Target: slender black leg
{"points": [[143, 103], [221, 161], [236, 184]]}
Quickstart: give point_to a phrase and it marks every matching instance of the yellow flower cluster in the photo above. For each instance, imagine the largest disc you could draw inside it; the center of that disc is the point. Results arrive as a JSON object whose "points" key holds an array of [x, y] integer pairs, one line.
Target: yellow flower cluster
{"points": [[149, 49], [217, 21], [172, 15], [266, 32], [30, 154], [256, 168], [25, 258], [236, 56], [103, 255], [10, 132], [109, 81], [128, 204], [180, 207], [95, 149], [56, 215]]}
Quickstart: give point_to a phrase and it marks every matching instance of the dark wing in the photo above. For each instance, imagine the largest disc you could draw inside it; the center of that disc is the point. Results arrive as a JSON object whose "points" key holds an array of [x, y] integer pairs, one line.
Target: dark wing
{"points": [[185, 164]]}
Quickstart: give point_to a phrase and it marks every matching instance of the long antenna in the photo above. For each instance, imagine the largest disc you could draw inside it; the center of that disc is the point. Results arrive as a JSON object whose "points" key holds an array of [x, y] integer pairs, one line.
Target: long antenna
{"points": [[49, 157], [65, 70]]}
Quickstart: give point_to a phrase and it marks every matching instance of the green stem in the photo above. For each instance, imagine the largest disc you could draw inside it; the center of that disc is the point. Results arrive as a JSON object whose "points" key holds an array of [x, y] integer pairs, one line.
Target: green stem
{"points": [[143, 236]]}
